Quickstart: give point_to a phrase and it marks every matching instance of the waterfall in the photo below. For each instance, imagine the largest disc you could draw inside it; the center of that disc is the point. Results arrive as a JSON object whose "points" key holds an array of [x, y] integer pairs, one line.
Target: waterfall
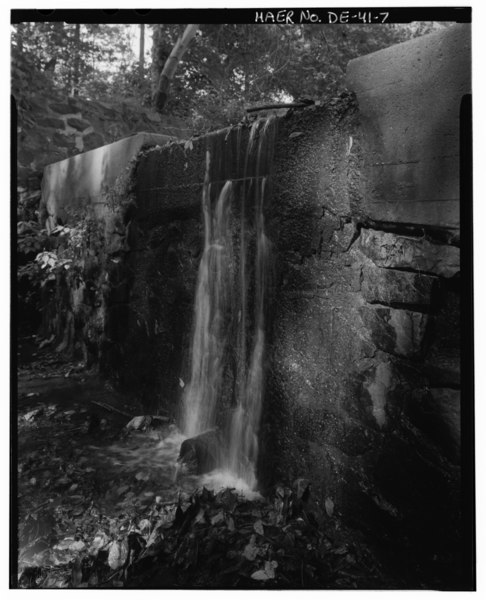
{"points": [[213, 286], [229, 307]]}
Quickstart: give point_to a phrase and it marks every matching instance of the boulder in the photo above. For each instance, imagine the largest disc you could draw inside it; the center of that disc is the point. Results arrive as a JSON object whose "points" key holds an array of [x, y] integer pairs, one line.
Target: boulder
{"points": [[200, 453]]}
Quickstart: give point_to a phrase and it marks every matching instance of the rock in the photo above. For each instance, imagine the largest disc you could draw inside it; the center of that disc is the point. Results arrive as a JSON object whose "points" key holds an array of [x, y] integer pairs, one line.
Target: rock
{"points": [[74, 103], [32, 414], [386, 286], [37, 104], [60, 107], [63, 140], [93, 140], [137, 423], [200, 453], [25, 155], [51, 122], [400, 252], [78, 124], [394, 330]]}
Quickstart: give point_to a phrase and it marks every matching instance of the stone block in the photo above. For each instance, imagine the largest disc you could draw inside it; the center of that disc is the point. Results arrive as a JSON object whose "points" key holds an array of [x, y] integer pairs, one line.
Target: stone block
{"points": [[65, 141], [60, 107], [401, 252], [394, 330], [92, 140], [51, 122], [79, 124], [386, 286], [74, 103]]}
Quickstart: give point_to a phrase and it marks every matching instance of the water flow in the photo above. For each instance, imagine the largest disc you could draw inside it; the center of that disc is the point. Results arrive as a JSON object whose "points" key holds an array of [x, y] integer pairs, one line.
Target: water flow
{"points": [[211, 304], [214, 326]]}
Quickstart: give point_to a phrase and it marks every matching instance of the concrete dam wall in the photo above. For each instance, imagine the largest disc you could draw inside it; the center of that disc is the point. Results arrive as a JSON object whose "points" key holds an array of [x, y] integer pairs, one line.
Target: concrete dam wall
{"points": [[362, 362]]}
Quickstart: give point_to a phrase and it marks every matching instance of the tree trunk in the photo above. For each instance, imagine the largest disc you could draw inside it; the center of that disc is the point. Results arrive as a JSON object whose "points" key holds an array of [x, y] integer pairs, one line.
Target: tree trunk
{"points": [[19, 37], [77, 50], [141, 60], [167, 74]]}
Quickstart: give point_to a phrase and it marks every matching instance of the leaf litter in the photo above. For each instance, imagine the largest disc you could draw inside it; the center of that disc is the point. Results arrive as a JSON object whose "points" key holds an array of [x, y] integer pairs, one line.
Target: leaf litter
{"points": [[99, 509]]}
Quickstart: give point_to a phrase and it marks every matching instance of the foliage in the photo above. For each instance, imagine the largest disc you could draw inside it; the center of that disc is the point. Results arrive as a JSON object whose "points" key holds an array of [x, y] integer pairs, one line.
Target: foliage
{"points": [[47, 258], [86, 66], [227, 68], [231, 67]]}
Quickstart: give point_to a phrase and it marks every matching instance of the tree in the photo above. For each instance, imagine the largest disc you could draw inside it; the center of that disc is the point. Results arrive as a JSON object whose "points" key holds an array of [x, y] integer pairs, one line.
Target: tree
{"points": [[83, 59], [141, 58], [165, 78], [230, 67]]}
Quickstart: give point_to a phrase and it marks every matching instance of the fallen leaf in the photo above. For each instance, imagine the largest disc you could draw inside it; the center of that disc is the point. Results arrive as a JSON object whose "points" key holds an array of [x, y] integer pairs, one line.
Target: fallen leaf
{"points": [[267, 573], [77, 546], [144, 525], [218, 517], [329, 506], [100, 541], [117, 554], [64, 544], [250, 551], [258, 527]]}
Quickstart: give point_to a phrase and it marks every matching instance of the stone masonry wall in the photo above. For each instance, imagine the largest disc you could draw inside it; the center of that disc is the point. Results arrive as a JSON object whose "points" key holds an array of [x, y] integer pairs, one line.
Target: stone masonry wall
{"points": [[364, 385]]}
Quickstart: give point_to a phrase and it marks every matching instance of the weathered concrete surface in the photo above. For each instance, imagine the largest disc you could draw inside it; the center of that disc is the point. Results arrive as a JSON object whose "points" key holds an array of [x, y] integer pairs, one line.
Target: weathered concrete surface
{"points": [[71, 185], [409, 96]]}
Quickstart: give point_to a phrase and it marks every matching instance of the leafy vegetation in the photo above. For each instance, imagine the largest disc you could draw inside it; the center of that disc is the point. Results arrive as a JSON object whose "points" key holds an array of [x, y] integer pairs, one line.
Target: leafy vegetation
{"points": [[226, 68]]}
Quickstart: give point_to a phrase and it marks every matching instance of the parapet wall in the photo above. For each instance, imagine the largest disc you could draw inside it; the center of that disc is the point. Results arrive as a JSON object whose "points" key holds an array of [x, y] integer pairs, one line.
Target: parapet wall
{"points": [[409, 97]]}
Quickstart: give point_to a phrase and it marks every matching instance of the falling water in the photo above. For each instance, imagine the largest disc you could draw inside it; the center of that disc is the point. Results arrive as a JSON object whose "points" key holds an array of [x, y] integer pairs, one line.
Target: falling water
{"points": [[210, 306], [223, 317]]}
